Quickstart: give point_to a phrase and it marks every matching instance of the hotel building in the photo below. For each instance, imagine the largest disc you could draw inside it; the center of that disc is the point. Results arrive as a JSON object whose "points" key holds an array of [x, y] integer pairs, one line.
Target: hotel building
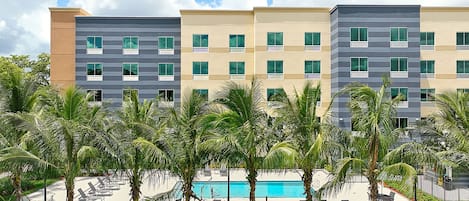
{"points": [[424, 50]]}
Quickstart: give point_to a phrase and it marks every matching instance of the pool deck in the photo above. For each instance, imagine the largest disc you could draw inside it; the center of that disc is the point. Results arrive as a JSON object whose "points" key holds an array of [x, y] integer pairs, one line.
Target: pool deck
{"points": [[162, 182]]}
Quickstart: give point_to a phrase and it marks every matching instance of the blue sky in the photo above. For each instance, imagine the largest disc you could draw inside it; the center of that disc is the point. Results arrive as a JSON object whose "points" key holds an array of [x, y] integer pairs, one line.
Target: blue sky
{"points": [[62, 3]]}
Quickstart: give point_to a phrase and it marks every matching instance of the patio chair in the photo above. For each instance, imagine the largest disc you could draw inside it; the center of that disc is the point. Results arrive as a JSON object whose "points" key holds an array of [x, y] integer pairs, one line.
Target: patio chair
{"points": [[223, 171], [207, 171], [107, 186], [98, 192], [85, 197]]}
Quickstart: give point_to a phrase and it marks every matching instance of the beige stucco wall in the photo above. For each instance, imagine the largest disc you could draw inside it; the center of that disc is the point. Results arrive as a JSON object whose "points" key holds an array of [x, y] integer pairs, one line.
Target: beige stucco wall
{"points": [[445, 22], [293, 22], [62, 45], [218, 25], [255, 25]]}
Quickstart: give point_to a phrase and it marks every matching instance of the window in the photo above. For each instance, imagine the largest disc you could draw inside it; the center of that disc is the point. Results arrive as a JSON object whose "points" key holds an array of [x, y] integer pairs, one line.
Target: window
{"points": [[202, 92], [274, 66], [97, 95], [427, 66], [275, 38], [236, 68], [166, 95], [398, 34], [462, 38], [165, 69], [128, 93], [427, 38], [398, 64], [94, 42], [200, 68], [396, 91], [166, 42], [312, 38], [129, 69], [358, 34], [199, 40], [130, 42], [312, 66], [400, 122], [427, 94], [236, 40], [359, 64], [462, 66], [271, 93], [94, 69], [462, 90]]}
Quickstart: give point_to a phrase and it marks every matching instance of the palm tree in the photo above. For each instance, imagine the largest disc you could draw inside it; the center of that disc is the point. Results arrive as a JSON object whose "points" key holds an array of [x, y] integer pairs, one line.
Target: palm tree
{"points": [[249, 139], [72, 128], [182, 142], [372, 115], [451, 122], [19, 96], [304, 126], [137, 127]]}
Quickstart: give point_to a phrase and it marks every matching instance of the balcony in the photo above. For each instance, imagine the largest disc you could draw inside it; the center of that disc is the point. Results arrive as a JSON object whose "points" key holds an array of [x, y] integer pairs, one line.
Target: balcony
{"points": [[130, 78], [166, 104], [403, 104], [312, 47], [166, 51], [274, 48], [94, 51], [399, 74], [237, 77], [200, 77], [94, 78], [200, 49], [399, 44], [166, 77], [359, 44], [237, 49], [310, 76], [359, 74], [130, 51], [275, 76]]}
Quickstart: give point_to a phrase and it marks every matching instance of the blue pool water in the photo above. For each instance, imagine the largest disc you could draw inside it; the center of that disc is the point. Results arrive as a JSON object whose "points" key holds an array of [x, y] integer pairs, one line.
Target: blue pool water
{"points": [[240, 189]]}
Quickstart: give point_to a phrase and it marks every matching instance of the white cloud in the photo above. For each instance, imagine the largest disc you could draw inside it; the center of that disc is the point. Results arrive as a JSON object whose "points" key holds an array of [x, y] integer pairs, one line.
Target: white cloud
{"points": [[3, 24], [331, 3]]}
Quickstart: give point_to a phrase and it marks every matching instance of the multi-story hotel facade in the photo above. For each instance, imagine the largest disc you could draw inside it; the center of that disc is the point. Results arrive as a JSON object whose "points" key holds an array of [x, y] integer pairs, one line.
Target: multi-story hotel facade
{"points": [[424, 50]]}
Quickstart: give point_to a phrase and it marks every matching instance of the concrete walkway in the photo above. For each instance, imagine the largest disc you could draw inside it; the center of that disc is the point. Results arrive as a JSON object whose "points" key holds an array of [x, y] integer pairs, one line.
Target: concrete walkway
{"points": [[163, 182]]}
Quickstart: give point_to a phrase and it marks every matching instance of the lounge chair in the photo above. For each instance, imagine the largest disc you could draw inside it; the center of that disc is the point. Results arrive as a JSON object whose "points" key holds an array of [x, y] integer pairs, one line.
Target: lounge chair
{"points": [[384, 197], [98, 192], [207, 172], [223, 171], [84, 197], [111, 181], [107, 186]]}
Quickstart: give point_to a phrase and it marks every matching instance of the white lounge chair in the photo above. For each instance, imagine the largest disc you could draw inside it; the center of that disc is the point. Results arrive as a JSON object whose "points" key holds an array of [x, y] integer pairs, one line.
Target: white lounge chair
{"points": [[85, 197]]}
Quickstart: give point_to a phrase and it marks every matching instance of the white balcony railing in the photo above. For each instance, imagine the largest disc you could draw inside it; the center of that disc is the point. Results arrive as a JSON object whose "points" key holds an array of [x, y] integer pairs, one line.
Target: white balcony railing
{"points": [[399, 74], [166, 51], [130, 77], [359, 74], [94, 78], [200, 77], [130, 51], [359, 44], [166, 77], [94, 51], [398, 44], [275, 76]]}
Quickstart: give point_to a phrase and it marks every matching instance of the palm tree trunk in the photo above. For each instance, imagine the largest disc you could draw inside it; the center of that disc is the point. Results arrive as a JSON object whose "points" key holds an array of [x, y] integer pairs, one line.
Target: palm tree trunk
{"points": [[16, 181], [69, 186], [307, 180], [252, 175], [135, 182], [373, 189], [187, 191], [135, 186]]}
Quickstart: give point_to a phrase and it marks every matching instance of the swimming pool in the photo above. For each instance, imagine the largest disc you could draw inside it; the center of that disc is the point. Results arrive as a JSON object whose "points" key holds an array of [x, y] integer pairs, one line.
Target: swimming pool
{"points": [[240, 189]]}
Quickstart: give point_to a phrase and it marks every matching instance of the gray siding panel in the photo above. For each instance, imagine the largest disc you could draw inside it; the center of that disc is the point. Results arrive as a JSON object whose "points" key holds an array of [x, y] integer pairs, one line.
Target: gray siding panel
{"points": [[378, 20], [113, 29]]}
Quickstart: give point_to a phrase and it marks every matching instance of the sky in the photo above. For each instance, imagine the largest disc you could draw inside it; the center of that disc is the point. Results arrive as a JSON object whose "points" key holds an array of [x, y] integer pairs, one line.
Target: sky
{"points": [[25, 24]]}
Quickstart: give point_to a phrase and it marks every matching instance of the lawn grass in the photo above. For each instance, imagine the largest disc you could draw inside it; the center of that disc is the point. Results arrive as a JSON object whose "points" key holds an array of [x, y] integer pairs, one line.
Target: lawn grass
{"points": [[28, 187], [409, 192]]}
